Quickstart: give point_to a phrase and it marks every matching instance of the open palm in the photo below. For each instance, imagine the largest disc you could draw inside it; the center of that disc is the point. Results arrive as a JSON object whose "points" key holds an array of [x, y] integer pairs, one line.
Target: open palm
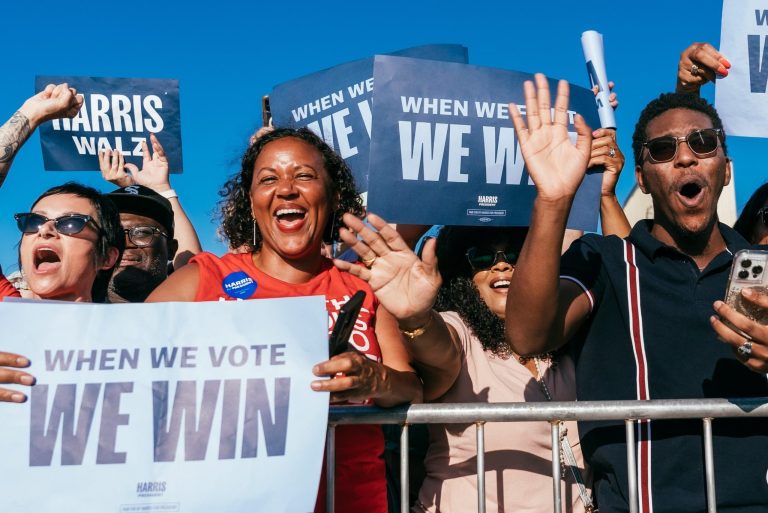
{"points": [[403, 283], [556, 165]]}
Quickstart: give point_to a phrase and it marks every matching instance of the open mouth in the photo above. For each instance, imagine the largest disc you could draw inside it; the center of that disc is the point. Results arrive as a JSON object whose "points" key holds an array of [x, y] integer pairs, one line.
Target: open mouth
{"points": [[46, 260], [290, 218], [691, 192], [500, 284]]}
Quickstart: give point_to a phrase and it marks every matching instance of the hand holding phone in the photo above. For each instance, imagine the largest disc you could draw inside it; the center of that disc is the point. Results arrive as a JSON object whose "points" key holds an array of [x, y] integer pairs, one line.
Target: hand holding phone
{"points": [[749, 270], [345, 323]]}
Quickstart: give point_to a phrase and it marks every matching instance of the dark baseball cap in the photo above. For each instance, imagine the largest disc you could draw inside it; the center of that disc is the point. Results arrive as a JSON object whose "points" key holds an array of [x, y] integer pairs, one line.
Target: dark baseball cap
{"points": [[143, 201]]}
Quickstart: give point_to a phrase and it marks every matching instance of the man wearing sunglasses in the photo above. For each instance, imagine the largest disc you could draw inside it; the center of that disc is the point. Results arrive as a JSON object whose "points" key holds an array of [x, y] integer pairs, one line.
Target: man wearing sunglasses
{"points": [[147, 220], [639, 313]]}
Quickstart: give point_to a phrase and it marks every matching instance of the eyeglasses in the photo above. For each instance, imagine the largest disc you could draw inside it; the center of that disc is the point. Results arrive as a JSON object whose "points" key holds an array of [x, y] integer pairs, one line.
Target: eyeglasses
{"points": [[480, 259], [701, 142], [70, 224], [142, 236]]}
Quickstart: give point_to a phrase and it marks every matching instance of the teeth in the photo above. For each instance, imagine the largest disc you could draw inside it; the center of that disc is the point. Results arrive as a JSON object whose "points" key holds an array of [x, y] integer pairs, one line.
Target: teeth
{"points": [[286, 211], [501, 283]]}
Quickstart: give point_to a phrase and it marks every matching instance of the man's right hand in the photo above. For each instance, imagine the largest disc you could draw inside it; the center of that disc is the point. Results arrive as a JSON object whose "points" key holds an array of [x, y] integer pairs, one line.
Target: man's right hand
{"points": [[53, 102], [8, 363]]}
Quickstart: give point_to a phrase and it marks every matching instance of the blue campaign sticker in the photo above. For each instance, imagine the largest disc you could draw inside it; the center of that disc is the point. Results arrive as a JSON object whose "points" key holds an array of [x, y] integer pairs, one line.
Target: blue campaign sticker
{"points": [[239, 285]]}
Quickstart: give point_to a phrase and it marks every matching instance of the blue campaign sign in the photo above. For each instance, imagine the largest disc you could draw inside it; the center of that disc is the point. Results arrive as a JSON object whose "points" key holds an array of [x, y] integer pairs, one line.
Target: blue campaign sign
{"points": [[117, 114], [444, 150], [336, 104]]}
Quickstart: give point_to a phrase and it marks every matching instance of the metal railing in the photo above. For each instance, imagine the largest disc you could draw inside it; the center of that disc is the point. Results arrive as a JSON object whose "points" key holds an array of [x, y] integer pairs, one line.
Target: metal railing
{"points": [[553, 412]]}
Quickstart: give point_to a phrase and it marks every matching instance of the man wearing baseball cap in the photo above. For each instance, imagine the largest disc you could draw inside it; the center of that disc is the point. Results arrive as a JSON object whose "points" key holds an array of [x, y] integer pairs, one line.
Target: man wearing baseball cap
{"points": [[147, 218]]}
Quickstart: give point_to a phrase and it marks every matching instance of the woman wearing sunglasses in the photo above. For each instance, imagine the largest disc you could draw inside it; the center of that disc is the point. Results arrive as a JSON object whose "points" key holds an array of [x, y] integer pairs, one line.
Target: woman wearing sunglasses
{"points": [[70, 240], [476, 265]]}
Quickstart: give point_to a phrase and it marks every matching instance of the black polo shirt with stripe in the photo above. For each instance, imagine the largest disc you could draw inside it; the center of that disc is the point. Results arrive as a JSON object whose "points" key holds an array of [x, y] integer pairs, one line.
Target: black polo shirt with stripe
{"points": [[649, 337]]}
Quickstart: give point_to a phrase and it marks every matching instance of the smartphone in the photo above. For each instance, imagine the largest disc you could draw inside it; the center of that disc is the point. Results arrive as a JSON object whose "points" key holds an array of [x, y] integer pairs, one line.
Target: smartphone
{"points": [[266, 114], [345, 323], [748, 270]]}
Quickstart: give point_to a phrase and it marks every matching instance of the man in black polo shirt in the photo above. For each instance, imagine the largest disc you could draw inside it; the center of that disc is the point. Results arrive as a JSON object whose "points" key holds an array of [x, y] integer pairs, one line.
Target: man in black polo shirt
{"points": [[638, 313]]}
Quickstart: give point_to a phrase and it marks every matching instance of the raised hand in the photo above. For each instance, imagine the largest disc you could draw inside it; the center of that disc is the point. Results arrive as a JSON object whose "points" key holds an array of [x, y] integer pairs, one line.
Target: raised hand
{"points": [[699, 63], [53, 102], [555, 164], [605, 152], [113, 168], [404, 284], [155, 169]]}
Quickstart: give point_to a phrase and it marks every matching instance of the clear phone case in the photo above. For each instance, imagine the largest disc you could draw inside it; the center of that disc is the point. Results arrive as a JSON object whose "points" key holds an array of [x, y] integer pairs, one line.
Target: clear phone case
{"points": [[749, 270]]}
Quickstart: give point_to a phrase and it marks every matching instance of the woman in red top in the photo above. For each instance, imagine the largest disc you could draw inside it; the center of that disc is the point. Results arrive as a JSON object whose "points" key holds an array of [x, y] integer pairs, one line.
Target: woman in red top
{"points": [[289, 195]]}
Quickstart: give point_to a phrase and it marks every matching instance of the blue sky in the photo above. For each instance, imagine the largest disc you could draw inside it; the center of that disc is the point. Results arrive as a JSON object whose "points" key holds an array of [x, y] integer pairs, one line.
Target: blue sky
{"points": [[227, 55]]}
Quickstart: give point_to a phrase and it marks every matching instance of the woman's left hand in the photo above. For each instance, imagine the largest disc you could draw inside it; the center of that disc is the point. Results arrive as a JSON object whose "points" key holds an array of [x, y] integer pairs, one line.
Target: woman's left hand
{"points": [[361, 378], [751, 345], [404, 284]]}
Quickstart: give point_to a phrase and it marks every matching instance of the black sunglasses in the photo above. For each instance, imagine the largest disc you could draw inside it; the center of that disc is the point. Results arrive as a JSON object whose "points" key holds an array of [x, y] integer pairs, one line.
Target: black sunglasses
{"points": [[69, 224], [483, 258], [142, 235], [701, 142]]}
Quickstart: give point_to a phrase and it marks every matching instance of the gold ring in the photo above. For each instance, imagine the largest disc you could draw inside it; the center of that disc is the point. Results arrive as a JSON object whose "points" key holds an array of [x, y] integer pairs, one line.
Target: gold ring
{"points": [[368, 262]]}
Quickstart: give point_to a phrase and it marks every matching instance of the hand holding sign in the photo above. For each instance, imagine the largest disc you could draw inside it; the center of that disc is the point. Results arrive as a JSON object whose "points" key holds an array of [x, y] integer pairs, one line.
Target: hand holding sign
{"points": [[14, 376], [53, 102], [699, 63], [555, 164]]}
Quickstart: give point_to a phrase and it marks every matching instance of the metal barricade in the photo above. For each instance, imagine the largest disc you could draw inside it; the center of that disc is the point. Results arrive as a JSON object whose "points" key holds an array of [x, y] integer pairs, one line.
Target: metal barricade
{"points": [[553, 412]]}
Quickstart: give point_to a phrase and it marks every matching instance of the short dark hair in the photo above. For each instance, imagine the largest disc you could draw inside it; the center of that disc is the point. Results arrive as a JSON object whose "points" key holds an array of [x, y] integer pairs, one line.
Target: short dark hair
{"points": [[111, 234], [662, 104], [458, 292], [745, 224], [235, 206]]}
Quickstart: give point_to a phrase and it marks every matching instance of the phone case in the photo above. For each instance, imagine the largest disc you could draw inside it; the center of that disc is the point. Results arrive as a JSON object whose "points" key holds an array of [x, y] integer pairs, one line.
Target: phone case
{"points": [[749, 270]]}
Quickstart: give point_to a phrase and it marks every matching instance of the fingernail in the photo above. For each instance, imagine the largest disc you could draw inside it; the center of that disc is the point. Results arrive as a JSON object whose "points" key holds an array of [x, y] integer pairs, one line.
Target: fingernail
{"points": [[725, 62], [718, 304], [316, 370], [747, 292], [315, 385], [27, 380], [18, 398], [594, 134], [722, 71], [21, 361]]}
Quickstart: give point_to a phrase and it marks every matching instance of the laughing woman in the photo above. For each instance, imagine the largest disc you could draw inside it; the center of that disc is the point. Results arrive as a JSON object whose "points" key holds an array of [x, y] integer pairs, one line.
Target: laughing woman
{"points": [[476, 265], [289, 195]]}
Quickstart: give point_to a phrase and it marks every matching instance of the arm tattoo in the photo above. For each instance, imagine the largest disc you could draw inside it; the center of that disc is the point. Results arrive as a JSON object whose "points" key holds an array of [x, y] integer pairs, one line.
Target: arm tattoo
{"points": [[12, 135]]}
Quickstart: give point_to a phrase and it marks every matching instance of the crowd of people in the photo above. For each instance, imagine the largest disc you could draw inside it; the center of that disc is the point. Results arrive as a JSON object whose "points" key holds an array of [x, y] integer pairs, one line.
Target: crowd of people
{"points": [[519, 314]]}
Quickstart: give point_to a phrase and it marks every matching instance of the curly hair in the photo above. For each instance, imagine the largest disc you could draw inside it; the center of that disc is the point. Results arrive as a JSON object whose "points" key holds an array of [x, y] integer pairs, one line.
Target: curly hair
{"points": [[662, 104], [745, 224], [237, 224], [458, 292]]}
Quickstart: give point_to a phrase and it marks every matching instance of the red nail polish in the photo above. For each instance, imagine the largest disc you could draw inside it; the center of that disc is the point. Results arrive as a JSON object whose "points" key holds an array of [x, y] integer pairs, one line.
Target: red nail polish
{"points": [[725, 62], [722, 71]]}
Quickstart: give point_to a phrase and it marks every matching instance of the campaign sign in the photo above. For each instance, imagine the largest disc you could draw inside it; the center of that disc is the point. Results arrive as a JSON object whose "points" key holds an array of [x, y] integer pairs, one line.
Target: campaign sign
{"points": [[167, 407], [117, 114], [740, 97], [336, 104], [444, 150]]}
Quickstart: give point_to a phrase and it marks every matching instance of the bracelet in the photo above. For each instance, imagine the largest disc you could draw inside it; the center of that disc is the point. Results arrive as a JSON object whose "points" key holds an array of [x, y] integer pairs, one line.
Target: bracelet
{"points": [[170, 193], [418, 331]]}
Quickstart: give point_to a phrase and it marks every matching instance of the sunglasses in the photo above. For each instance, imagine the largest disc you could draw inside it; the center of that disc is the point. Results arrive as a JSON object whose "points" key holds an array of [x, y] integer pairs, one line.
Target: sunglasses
{"points": [[480, 259], [142, 236], [701, 142], [763, 215], [70, 224]]}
